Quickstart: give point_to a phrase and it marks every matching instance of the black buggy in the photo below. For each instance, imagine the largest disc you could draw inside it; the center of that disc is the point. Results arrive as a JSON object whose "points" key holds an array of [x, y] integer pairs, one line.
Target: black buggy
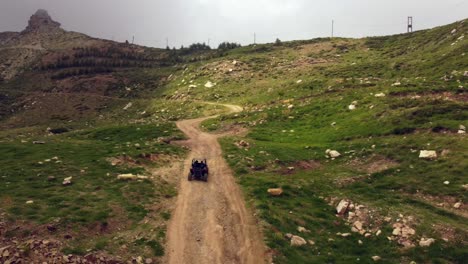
{"points": [[199, 170]]}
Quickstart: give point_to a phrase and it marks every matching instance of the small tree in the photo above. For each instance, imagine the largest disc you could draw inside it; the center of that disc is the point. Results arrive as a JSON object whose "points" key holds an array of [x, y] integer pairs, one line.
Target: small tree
{"points": [[228, 45], [278, 42]]}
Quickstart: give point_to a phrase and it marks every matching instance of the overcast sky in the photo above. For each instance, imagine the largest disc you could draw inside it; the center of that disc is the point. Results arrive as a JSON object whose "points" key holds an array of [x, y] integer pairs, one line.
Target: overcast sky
{"points": [[187, 21]]}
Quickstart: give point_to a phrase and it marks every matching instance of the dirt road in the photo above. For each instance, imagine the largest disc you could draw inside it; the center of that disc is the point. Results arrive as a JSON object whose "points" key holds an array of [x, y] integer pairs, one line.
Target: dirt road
{"points": [[210, 223]]}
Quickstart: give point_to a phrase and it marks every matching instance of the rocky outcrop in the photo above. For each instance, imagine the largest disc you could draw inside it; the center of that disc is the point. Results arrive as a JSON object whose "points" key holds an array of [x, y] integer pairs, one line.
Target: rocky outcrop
{"points": [[41, 22]]}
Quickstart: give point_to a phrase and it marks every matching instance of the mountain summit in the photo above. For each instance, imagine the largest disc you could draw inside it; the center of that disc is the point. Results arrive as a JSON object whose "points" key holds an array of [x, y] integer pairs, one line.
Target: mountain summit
{"points": [[41, 22]]}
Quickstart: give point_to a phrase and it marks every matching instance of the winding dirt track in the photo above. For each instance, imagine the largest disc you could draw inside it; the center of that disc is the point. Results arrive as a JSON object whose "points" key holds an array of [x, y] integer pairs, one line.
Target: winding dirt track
{"points": [[210, 223]]}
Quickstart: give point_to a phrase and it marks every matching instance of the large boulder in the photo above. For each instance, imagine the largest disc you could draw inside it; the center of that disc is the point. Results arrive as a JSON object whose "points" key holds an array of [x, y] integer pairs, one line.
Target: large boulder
{"points": [[275, 191], [428, 154], [342, 207], [426, 242], [332, 153], [67, 181], [297, 241]]}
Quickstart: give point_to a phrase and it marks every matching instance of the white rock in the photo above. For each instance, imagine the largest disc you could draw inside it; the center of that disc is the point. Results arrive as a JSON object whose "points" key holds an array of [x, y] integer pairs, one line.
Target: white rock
{"points": [[453, 31], [427, 154], [378, 233], [297, 241], [275, 191], [67, 181], [301, 229], [30, 202], [299, 81], [342, 207], [462, 127], [396, 84], [192, 86], [290, 106], [380, 95], [358, 225], [352, 107], [333, 154], [209, 84], [425, 242], [127, 176], [127, 106], [376, 258], [446, 182], [457, 205]]}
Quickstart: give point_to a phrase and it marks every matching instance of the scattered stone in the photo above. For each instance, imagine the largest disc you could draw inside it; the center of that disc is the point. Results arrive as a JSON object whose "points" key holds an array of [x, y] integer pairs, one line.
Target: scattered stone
{"points": [[242, 144], [301, 229], [380, 95], [289, 235], [148, 261], [297, 241], [30, 202], [376, 258], [209, 84], [428, 154], [461, 129], [345, 234], [396, 84], [352, 107], [275, 191], [446, 182], [192, 86], [332, 153], [127, 106], [378, 233], [457, 205], [358, 225], [39, 142], [396, 231], [290, 106], [342, 207], [425, 242], [311, 242], [360, 242], [299, 81], [67, 181]]}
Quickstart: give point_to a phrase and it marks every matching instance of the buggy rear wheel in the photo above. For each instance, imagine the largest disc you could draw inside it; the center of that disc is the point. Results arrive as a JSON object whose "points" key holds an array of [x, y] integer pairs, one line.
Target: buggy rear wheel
{"points": [[190, 176]]}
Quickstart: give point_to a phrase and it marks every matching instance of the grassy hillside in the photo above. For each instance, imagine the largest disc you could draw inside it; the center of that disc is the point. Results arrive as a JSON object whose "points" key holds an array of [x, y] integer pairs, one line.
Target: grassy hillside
{"points": [[111, 103], [409, 94]]}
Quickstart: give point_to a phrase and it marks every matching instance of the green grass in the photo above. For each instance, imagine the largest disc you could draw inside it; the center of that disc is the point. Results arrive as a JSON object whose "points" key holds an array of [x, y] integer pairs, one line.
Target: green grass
{"points": [[81, 155]]}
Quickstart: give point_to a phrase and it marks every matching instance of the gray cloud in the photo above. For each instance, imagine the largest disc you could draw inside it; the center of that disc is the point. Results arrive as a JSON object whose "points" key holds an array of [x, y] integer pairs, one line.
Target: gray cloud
{"points": [[185, 22]]}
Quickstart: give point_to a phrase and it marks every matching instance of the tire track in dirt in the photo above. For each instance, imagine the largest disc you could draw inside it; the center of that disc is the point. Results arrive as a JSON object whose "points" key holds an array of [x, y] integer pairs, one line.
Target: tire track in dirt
{"points": [[210, 222]]}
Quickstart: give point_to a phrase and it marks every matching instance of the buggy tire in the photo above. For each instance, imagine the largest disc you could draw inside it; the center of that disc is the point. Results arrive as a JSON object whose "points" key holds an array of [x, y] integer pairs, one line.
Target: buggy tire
{"points": [[190, 177]]}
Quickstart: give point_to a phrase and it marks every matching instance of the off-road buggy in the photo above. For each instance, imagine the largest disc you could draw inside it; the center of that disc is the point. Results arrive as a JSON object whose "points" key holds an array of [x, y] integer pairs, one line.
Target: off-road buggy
{"points": [[199, 170]]}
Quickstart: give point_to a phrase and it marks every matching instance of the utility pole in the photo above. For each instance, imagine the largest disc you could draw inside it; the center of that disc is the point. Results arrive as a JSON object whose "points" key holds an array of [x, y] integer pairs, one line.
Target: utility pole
{"points": [[410, 24], [209, 42], [255, 38], [133, 39], [333, 28], [167, 42]]}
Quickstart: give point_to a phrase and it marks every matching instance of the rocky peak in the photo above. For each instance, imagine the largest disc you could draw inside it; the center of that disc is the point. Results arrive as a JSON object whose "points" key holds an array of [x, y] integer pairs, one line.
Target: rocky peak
{"points": [[41, 22]]}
